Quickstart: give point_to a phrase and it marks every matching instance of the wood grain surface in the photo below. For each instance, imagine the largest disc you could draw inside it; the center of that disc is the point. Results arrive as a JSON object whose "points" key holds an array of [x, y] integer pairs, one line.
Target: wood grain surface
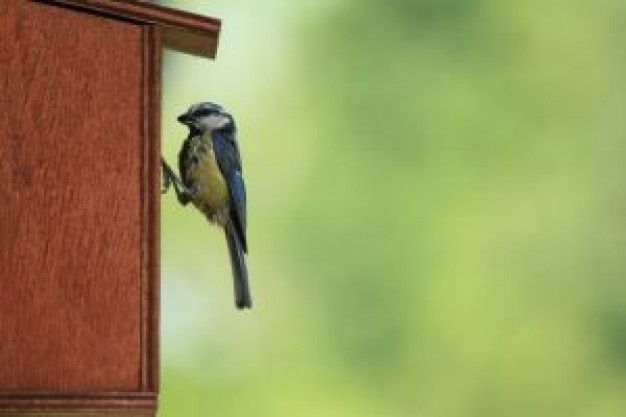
{"points": [[79, 202], [71, 127], [151, 199]]}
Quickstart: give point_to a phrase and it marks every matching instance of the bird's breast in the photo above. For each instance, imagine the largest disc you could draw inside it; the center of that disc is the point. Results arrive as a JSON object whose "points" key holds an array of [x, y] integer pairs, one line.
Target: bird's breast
{"points": [[212, 195]]}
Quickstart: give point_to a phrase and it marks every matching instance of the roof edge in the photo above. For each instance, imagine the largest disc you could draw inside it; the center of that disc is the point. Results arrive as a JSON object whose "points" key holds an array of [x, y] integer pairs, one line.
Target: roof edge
{"points": [[182, 31]]}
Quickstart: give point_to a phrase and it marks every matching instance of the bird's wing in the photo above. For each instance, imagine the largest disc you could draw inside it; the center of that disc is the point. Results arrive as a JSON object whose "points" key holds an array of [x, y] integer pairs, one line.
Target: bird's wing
{"points": [[229, 162]]}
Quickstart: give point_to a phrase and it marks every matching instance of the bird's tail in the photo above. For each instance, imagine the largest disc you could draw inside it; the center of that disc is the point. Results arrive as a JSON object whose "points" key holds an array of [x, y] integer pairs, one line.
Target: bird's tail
{"points": [[240, 271]]}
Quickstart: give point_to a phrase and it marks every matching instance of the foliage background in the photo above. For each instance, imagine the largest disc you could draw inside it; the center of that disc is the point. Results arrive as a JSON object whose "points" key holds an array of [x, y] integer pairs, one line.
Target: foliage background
{"points": [[437, 212]]}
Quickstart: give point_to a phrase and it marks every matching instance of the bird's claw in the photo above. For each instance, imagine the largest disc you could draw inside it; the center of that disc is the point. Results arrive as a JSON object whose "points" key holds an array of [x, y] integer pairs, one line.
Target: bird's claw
{"points": [[167, 183], [184, 193], [169, 177]]}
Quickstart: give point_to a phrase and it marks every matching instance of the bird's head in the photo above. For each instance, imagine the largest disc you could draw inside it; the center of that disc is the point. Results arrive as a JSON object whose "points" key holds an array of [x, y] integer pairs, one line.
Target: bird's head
{"points": [[206, 117]]}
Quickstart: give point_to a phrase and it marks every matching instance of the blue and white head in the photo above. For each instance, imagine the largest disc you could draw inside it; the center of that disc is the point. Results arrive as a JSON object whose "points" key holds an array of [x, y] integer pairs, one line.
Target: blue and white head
{"points": [[207, 117]]}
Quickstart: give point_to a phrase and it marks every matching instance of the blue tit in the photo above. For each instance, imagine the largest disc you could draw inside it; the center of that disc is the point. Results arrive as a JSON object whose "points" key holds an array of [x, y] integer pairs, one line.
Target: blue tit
{"points": [[211, 179]]}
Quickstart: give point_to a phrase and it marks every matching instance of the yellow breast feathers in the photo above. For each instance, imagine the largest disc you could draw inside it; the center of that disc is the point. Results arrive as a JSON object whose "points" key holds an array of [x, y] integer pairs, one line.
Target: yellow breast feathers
{"points": [[212, 196]]}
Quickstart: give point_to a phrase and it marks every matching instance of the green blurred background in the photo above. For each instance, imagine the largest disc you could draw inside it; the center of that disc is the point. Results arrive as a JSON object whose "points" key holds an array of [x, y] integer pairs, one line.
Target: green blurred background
{"points": [[437, 212]]}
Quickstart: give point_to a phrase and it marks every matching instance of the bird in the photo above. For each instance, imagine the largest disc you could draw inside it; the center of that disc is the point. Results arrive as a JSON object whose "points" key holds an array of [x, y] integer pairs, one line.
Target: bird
{"points": [[211, 178]]}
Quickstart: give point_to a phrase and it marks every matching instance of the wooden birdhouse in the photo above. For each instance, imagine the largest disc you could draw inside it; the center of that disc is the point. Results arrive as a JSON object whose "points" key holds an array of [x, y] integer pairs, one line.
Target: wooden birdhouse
{"points": [[79, 201]]}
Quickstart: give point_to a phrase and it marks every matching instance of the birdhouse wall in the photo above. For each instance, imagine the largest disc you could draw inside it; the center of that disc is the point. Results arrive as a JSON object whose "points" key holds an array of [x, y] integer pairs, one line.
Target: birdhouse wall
{"points": [[78, 203]]}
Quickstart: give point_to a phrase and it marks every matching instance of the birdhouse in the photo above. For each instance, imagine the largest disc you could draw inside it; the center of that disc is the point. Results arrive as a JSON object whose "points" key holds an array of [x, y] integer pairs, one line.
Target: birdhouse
{"points": [[79, 201]]}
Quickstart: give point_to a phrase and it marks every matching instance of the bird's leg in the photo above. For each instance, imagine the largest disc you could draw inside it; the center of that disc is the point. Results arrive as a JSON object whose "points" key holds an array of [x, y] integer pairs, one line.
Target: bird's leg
{"points": [[183, 193], [169, 177]]}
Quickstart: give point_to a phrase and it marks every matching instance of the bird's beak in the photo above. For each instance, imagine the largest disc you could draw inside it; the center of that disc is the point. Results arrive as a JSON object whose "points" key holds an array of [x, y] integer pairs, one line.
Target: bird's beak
{"points": [[184, 119]]}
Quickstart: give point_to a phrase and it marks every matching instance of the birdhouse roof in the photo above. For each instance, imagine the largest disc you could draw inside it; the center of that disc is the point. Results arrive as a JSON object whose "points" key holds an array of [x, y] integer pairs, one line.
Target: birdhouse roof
{"points": [[182, 31]]}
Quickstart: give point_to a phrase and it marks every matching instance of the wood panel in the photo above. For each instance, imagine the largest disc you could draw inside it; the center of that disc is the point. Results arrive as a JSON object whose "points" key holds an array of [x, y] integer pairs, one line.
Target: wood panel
{"points": [[70, 201], [78, 405]]}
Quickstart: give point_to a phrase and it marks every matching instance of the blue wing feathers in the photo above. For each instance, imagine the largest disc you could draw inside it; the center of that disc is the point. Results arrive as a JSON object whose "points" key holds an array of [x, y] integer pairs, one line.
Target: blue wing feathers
{"points": [[229, 161]]}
